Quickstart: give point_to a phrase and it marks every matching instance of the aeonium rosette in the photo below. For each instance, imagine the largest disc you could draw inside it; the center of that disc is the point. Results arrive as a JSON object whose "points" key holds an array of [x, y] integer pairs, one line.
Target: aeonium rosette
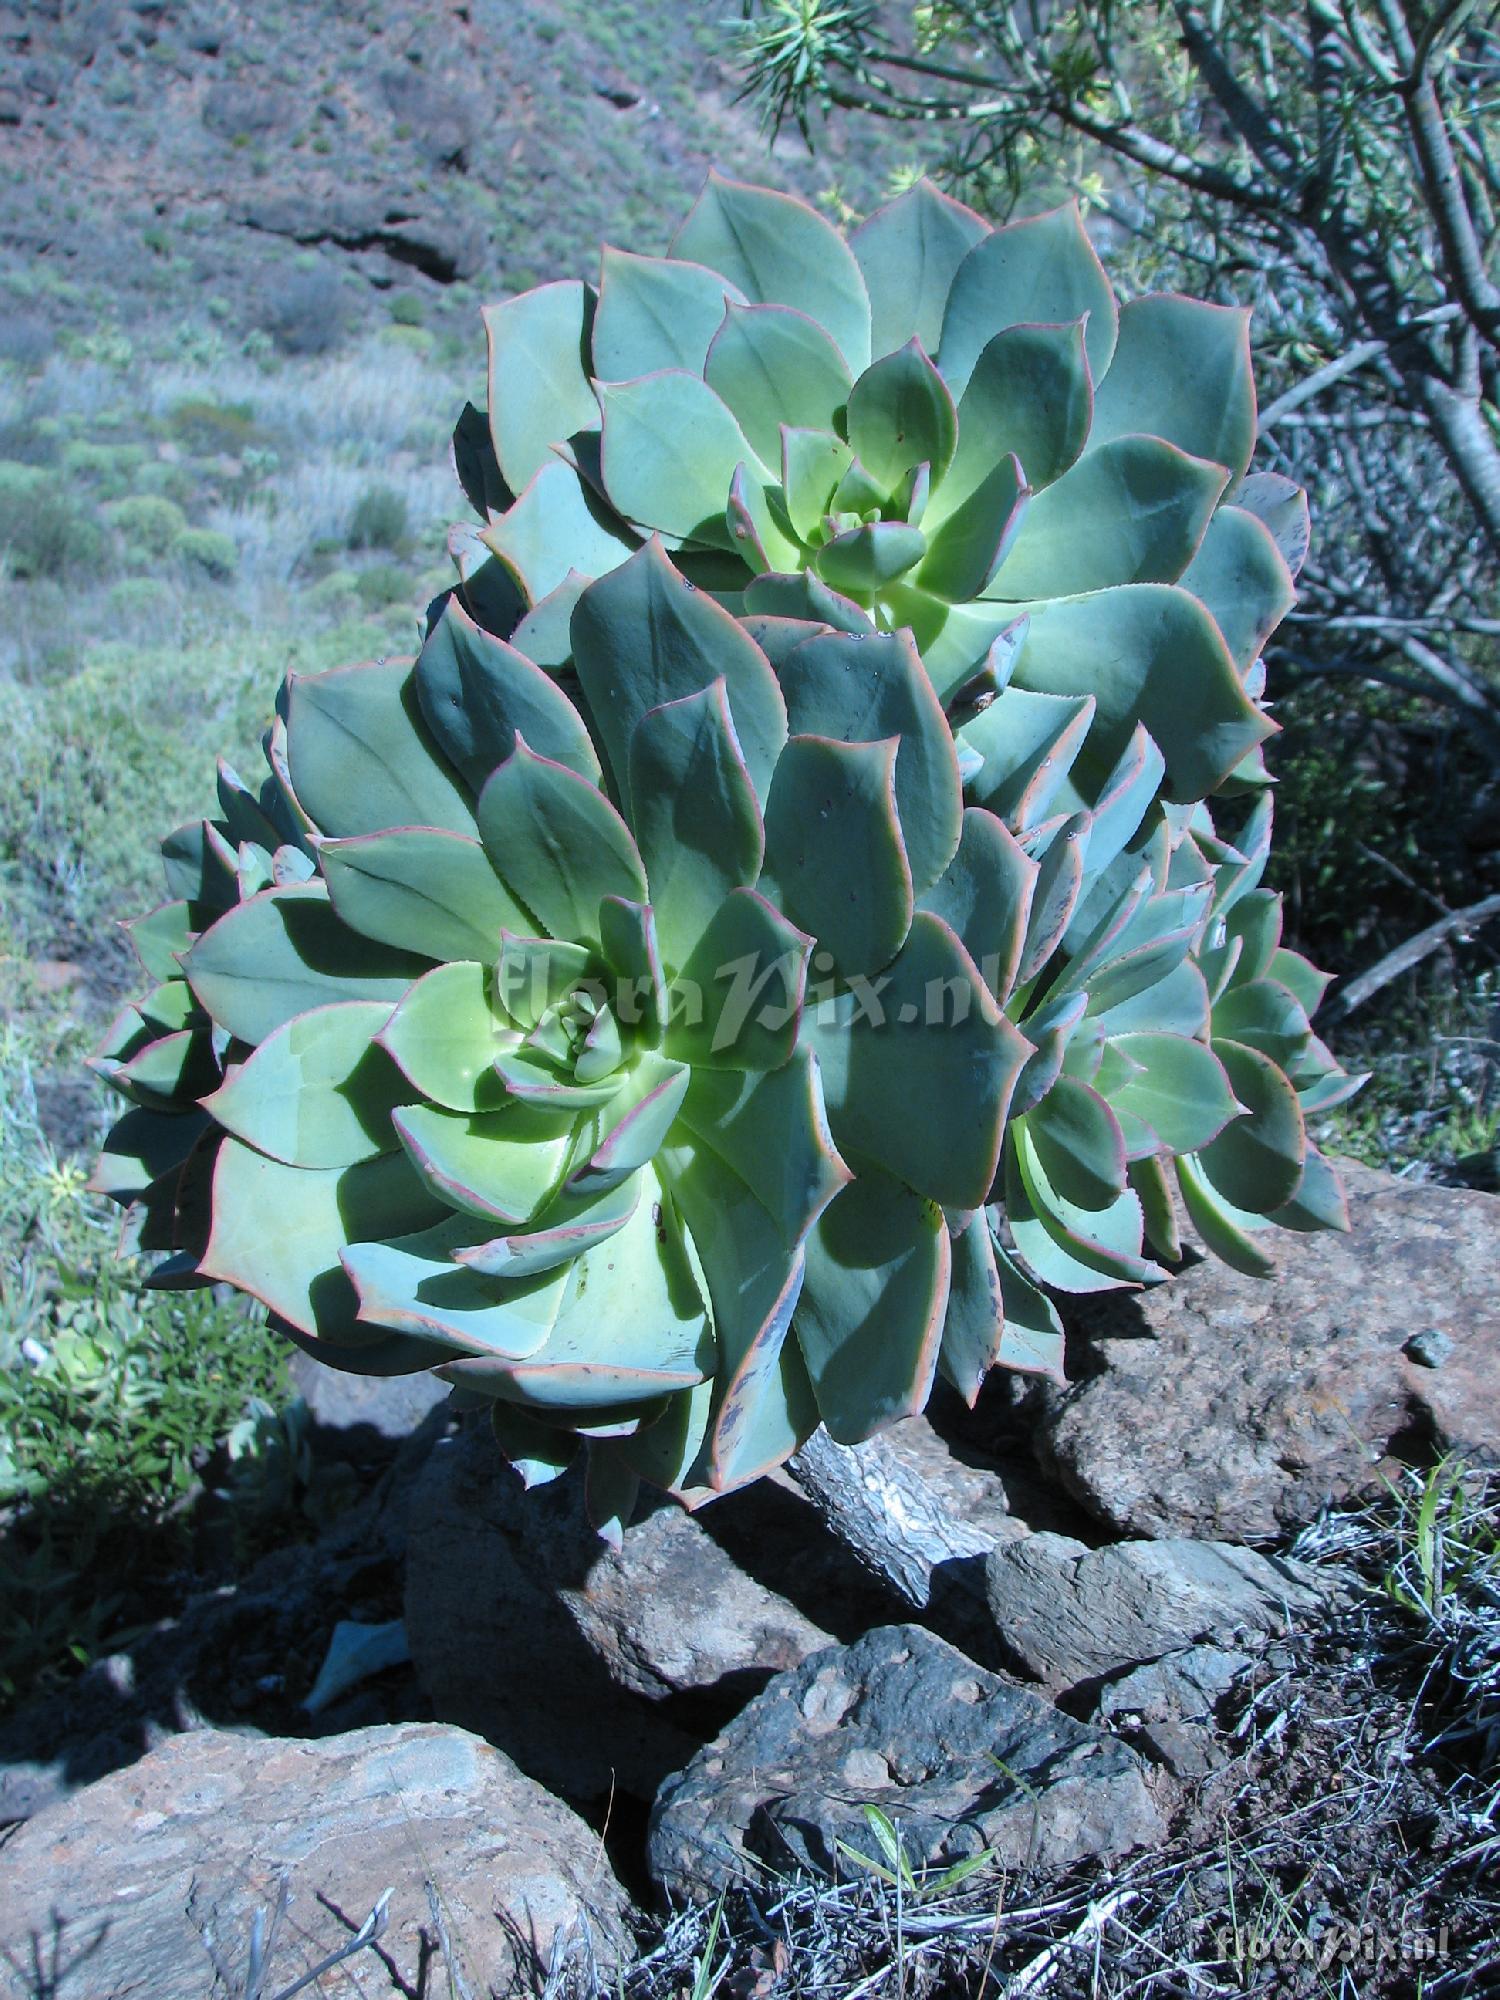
{"points": [[506, 1032]]}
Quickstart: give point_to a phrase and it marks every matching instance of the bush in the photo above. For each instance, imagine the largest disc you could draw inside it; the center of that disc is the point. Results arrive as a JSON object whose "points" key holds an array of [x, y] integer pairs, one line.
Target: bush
{"points": [[209, 550], [406, 309], [43, 531], [382, 586], [113, 470], [150, 526], [29, 440], [379, 520], [304, 313], [207, 427]]}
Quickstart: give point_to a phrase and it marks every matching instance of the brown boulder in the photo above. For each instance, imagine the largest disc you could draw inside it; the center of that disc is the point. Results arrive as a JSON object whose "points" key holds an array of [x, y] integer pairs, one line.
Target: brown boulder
{"points": [[128, 1888], [1221, 1405]]}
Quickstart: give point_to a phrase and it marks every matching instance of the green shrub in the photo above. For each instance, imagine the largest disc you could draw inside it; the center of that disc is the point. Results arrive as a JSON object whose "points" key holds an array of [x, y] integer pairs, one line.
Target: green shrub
{"points": [[135, 600], [406, 309], [150, 526], [44, 532], [209, 550], [207, 427], [379, 520], [382, 585], [113, 470]]}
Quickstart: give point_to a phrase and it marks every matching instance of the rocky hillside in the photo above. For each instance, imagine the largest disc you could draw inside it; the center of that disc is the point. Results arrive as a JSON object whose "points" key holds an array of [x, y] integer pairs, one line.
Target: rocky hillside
{"points": [[271, 164]]}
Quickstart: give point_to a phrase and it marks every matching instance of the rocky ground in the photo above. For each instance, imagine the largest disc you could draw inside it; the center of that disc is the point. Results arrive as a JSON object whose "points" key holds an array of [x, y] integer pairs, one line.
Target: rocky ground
{"points": [[1235, 1731]]}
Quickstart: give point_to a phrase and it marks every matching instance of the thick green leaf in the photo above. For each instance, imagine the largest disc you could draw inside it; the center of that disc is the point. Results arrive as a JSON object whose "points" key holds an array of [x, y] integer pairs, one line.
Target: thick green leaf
{"points": [[984, 895], [1256, 1163], [655, 312], [902, 415], [1055, 897], [558, 843], [1132, 512], [1304, 979], [736, 1003], [164, 1073], [1319, 1202], [1174, 1005], [1263, 1014], [558, 526], [1221, 1226], [1182, 371], [444, 1037], [478, 695], [772, 366], [198, 865], [142, 1147], [780, 252], [1033, 1342], [1150, 654], [318, 1092], [539, 1452], [634, 1125], [764, 1406], [830, 801], [361, 756], [1029, 743], [1240, 575], [645, 636], [533, 974], [161, 936], [871, 1313], [278, 1231], [1042, 271], [974, 1324], [565, 1229], [420, 890], [1071, 1248], [628, 938], [1281, 504], [538, 376], [970, 544], [694, 813], [1029, 395], [919, 1066], [1078, 1142], [1180, 1089], [863, 560], [412, 1284], [284, 952], [812, 464], [909, 251], [502, 1165], [1148, 1181], [545, 636], [671, 448], [630, 1328], [771, 1128], [864, 690]]}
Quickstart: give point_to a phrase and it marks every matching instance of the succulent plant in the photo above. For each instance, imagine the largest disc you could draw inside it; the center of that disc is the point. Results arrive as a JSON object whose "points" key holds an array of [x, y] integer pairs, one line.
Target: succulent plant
{"points": [[933, 425], [774, 937], [484, 1043]]}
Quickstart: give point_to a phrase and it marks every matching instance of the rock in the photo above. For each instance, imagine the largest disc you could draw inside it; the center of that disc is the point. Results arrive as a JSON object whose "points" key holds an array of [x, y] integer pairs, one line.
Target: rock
{"points": [[1069, 1613], [240, 112], [129, 1882], [409, 230], [1225, 1405], [365, 1409], [582, 1664], [440, 119], [1167, 1708], [960, 1759]]}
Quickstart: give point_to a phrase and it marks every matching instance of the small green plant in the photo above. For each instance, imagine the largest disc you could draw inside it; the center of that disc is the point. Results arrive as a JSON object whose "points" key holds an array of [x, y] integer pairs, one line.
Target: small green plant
{"points": [[406, 309], [209, 428], [150, 525], [895, 1869], [381, 586], [209, 550], [380, 520]]}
